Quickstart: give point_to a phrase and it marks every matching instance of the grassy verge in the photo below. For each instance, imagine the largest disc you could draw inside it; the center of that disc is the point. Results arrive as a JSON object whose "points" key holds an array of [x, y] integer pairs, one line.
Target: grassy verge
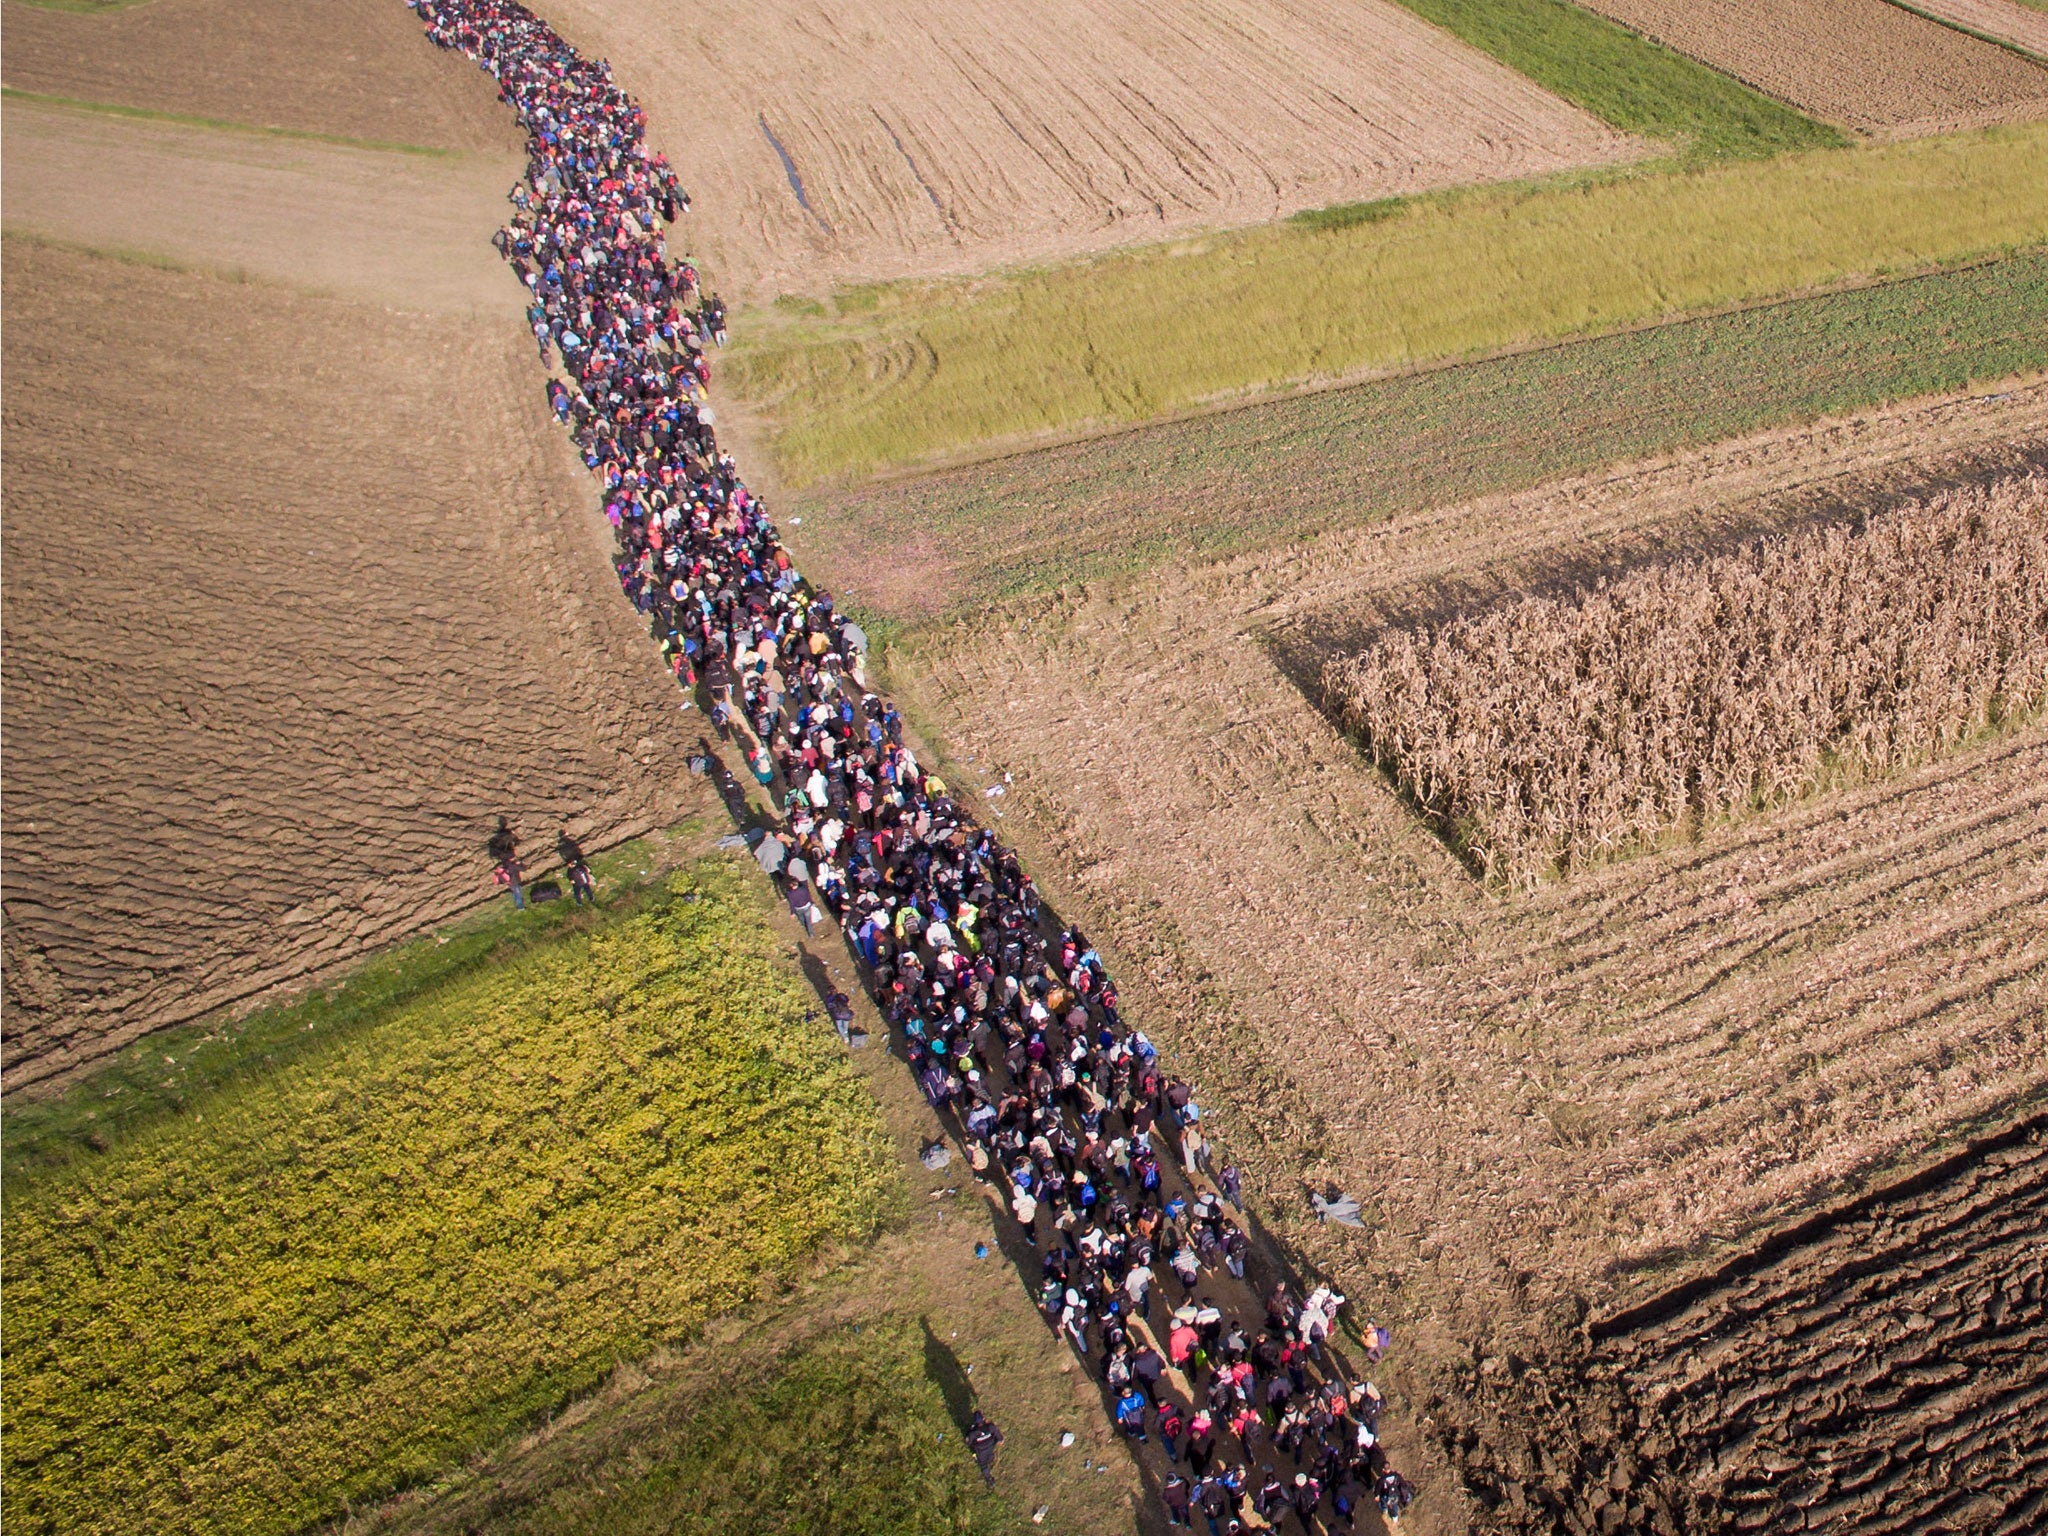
{"points": [[332, 1277], [919, 371], [1627, 80], [849, 1432], [1216, 484], [217, 124]]}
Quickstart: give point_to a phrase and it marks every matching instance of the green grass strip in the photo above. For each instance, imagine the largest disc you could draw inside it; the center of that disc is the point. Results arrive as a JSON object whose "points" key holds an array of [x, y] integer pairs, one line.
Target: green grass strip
{"points": [[222, 125], [1217, 484], [1627, 80], [850, 1433], [916, 372], [335, 1278]]}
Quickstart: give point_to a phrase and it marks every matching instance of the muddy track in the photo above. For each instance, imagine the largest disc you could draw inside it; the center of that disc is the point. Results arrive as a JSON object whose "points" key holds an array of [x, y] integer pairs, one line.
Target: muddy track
{"points": [[1875, 1369]]}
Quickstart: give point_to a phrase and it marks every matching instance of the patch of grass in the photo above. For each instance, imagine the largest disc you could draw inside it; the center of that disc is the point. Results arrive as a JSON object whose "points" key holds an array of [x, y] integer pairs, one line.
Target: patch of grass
{"points": [[1636, 85], [1348, 215], [939, 368], [169, 1071], [1234, 480], [331, 1279], [217, 124], [848, 1433]]}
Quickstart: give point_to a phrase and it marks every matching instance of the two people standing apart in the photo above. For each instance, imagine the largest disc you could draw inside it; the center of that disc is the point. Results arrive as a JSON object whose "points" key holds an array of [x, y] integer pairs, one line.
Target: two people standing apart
{"points": [[503, 849]]}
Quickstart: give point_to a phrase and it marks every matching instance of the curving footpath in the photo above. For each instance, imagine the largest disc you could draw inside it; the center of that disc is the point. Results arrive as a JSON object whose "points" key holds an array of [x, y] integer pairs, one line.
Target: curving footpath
{"points": [[1011, 1026]]}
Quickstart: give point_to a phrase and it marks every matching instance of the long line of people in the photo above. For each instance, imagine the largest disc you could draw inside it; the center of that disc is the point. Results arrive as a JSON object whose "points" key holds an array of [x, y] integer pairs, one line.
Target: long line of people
{"points": [[1013, 1030]]}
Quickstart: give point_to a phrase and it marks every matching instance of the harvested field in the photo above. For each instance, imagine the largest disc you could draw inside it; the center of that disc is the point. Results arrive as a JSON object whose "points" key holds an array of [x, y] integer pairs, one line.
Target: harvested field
{"points": [[1867, 64], [882, 139], [918, 373], [1559, 730], [1879, 1372], [285, 629], [2006, 20], [352, 68], [1243, 479], [1543, 1103]]}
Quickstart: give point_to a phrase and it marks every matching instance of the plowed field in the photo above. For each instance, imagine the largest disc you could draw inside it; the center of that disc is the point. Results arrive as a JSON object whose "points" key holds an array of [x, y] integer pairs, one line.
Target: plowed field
{"points": [[354, 68], [302, 588], [883, 139], [1543, 1102], [1867, 64], [2002, 19], [1878, 1372]]}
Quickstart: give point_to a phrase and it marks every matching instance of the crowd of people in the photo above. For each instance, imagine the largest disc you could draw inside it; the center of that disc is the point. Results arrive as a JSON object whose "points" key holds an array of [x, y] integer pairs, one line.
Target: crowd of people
{"points": [[1012, 1028]]}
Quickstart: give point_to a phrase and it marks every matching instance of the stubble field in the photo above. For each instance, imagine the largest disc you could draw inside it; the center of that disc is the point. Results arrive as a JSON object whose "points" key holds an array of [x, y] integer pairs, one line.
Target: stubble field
{"points": [[1551, 1103]]}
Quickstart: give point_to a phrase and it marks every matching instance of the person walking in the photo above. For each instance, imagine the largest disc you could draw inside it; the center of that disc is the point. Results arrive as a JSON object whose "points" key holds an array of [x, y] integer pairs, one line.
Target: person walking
{"points": [[576, 867], [503, 849], [982, 1439]]}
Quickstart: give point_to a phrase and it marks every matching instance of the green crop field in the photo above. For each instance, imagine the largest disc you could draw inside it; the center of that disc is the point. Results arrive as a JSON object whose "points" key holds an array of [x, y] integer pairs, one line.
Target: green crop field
{"points": [[848, 1433], [1637, 85], [913, 372], [1236, 479], [328, 1275]]}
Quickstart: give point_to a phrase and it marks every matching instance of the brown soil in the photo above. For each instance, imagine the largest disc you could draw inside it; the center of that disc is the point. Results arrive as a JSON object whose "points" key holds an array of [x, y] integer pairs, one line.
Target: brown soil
{"points": [[404, 230], [966, 135], [351, 67], [1867, 64], [1828, 1382], [2002, 19], [1546, 1102], [299, 594]]}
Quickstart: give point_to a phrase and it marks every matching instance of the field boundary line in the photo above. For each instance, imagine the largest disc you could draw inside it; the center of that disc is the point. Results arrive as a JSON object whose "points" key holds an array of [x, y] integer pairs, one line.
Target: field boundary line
{"points": [[1228, 404], [224, 125], [1676, 1298], [1969, 31]]}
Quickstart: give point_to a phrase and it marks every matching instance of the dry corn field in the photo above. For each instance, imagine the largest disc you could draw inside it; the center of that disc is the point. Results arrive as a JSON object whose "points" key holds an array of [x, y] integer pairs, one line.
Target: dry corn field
{"points": [[1556, 731]]}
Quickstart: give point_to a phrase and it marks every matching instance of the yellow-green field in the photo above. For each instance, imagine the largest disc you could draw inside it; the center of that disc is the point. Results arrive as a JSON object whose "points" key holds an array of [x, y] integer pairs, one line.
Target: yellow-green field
{"points": [[916, 372], [331, 1277]]}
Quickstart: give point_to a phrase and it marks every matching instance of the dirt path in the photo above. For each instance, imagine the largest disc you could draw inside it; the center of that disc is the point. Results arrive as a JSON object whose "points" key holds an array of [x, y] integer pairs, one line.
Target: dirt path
{"points": [[1868, 64], [1539, 1101], [881, 139]]}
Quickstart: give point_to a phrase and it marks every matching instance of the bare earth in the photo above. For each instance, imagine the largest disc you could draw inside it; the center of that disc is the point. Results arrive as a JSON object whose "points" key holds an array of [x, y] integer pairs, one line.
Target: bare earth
{"points": [[1866, 64], [351, 67], [2002, 19], [363, 224], [1543, 1102], [303, 586], [971, 134]]}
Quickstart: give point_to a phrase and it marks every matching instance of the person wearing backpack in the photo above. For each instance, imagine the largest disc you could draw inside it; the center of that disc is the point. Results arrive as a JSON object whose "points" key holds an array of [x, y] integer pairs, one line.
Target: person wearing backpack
{"points": [[982, 1439]]}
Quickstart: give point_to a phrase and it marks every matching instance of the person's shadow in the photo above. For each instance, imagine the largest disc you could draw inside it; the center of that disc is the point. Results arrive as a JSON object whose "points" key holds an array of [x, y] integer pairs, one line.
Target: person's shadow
{"points": [[942, 1368]]}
